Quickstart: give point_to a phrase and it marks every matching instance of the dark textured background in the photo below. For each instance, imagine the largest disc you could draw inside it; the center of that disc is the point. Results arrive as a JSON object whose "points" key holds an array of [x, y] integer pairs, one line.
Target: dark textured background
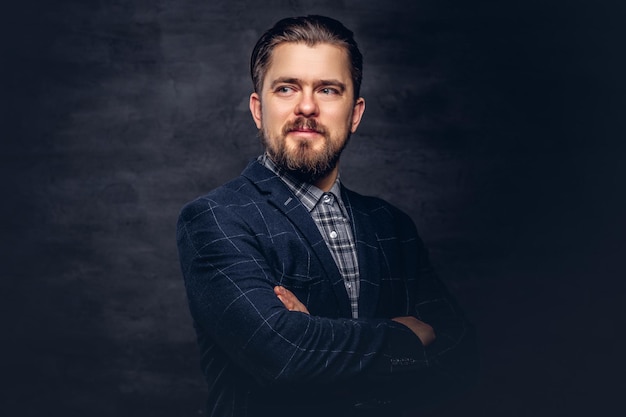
{"points": [[498, 126]]}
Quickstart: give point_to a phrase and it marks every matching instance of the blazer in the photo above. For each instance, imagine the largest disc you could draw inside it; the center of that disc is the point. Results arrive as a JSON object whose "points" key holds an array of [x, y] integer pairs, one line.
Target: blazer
{"points": [[240, 240]]}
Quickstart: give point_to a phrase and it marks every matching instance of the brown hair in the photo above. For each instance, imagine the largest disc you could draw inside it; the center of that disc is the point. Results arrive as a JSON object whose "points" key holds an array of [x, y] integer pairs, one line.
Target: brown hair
{"points": [[310, 30]]}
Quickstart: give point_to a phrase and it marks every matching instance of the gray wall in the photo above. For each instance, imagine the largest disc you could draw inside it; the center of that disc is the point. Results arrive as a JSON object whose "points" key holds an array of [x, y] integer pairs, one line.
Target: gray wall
{"points": [[498, 126]]}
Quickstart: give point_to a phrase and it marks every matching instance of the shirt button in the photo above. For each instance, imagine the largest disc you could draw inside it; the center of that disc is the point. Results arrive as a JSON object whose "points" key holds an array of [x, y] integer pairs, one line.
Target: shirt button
{"points": [[349, 285], [333, 235], [326, 199]]}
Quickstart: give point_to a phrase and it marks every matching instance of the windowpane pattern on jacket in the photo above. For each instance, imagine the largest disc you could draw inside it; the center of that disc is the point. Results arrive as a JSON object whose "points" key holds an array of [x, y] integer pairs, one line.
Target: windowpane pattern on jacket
{"points": [[330, 216]]}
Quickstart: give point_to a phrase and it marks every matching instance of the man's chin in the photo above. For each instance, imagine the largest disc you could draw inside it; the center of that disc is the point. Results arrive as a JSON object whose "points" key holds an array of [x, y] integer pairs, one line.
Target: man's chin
{"points": [[308, 170], [308, 175], [305, 146]]}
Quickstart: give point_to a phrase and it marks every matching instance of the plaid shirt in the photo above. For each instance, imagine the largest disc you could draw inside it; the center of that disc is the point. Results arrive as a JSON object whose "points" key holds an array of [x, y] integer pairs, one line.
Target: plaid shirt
{"points": [[331, 217]]}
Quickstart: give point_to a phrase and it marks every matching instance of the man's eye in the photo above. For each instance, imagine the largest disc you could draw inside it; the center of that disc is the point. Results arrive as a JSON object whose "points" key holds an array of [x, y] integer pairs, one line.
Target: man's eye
{"points": [[329, 91], [284, 90]]}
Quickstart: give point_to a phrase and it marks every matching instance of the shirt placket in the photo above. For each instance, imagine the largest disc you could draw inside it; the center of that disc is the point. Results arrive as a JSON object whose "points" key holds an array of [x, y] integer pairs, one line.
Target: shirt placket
{"points": [[337, 233]]}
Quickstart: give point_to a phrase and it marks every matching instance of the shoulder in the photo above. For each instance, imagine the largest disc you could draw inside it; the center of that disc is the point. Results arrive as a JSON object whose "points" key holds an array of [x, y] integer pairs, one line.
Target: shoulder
{"points": [[233, 192], [239, 192], [216, 216]]}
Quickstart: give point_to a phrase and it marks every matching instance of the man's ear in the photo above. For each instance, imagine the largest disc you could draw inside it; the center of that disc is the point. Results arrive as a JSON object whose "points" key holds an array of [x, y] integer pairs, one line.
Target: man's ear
{"points": [[357, 113], [255, 109]]}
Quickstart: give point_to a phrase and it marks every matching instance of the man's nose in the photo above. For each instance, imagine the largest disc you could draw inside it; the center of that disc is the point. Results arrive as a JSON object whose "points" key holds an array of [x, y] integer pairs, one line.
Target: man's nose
{"points": [[307, 105]]}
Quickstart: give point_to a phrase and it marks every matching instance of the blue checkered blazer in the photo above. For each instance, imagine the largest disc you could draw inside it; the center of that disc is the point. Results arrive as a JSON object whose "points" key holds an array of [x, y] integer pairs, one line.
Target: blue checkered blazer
{"points": [[242, 239]]}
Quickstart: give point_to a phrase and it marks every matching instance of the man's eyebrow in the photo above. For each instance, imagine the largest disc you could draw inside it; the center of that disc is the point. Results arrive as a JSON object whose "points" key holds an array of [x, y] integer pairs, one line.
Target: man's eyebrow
{"points": [[332, 82], [284, 80]]}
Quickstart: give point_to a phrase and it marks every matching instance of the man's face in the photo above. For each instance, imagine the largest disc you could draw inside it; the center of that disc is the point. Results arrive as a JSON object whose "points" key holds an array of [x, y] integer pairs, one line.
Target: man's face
{"points": [[306, 110]]}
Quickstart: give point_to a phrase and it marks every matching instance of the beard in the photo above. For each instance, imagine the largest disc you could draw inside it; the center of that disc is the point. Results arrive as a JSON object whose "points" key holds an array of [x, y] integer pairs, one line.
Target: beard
{"points": [[302, 161]]}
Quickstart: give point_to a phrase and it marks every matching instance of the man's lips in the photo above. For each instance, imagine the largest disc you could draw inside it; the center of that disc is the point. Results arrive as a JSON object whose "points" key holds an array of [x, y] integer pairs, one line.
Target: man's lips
{"points": [[305, 132], [305, 128]]}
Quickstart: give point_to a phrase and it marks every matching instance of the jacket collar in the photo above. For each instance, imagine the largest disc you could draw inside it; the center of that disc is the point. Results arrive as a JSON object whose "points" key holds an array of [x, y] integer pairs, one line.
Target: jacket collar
{"points": [[368, 253], [281, 197]]}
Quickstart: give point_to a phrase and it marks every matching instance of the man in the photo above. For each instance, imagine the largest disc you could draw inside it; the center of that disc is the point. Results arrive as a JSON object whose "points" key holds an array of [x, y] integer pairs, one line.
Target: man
{"points": [[307, 297]]}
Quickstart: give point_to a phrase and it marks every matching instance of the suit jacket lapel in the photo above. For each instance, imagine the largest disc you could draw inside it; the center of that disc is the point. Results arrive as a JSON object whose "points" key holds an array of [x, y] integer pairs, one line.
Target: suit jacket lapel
{"points": [[279, 195], [368, 254]]}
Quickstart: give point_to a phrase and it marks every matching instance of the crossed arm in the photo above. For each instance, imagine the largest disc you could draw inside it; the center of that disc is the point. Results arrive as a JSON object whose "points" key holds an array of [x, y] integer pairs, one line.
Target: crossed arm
{"points": [[231, 288], [424, 331]]}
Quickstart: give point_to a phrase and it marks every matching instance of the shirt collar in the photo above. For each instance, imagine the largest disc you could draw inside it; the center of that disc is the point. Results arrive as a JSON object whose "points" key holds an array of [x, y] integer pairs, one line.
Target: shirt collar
{"points": [[308, 194]]}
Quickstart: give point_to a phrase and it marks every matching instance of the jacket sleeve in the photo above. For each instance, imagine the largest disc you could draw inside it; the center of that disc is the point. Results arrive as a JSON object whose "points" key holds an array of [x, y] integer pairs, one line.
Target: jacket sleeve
{"points": [[453, 356], [230, 292]]}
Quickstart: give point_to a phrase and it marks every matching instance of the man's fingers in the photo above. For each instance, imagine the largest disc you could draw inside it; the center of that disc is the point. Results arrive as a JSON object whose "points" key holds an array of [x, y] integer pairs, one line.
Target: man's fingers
{"points": [[289, 300], [422, 330], [282, 300], [286, 300]]}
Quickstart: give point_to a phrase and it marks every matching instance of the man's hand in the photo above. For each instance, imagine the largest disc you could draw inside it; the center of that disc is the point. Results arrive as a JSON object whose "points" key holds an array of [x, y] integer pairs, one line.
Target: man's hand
{"points": [[290, 301], [424, 331]]}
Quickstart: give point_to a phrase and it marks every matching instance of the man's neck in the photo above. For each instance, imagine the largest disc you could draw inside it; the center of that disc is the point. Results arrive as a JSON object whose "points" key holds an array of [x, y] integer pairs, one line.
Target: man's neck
{"points": [[326, 183]]}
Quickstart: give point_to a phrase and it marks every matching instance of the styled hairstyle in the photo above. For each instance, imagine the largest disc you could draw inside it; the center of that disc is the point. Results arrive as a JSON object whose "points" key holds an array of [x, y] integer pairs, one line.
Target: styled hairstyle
{"points": [[310, 30]]}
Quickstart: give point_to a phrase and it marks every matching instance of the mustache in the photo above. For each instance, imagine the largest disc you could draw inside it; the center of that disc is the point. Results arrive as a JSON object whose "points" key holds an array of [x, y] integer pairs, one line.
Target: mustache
{"points": [[303, 123]]}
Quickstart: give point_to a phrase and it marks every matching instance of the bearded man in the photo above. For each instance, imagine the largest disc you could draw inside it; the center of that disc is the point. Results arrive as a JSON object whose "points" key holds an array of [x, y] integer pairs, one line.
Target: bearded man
{"points": [[309, 298]]}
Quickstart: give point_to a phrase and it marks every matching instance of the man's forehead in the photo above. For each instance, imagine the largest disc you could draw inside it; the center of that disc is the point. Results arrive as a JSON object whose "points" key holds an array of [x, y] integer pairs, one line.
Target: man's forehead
{"points": [[323, 59]]}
